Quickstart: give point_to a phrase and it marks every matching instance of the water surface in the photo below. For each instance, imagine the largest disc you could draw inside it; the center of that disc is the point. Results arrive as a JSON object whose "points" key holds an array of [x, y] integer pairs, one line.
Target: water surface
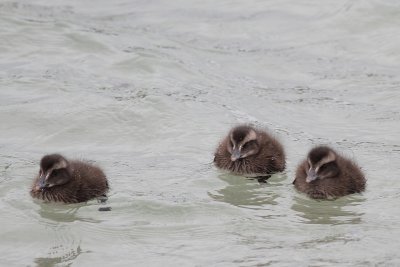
{"points": [[146, 89]]}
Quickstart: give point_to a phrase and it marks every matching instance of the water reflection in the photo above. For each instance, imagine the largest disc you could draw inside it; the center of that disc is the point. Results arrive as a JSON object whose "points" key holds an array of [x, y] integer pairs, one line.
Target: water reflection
{"points": [[56, 213], [66, 259], [245, 192], [63, 242], [328, 211]]}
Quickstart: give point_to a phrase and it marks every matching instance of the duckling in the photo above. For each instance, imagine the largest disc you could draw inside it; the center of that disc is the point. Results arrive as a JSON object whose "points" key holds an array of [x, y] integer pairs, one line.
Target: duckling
{"points": [[61, 180], [326, 174], [250, 152]]}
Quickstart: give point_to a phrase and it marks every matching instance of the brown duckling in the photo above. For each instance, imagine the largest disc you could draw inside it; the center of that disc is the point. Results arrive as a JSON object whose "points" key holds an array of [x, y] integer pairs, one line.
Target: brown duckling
{"points": [[326, 174], [250, 152], [74, 181]]}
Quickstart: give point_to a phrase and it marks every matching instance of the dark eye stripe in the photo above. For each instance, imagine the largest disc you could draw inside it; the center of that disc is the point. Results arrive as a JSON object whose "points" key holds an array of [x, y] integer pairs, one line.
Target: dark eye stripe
{"points": [[249, 143]]}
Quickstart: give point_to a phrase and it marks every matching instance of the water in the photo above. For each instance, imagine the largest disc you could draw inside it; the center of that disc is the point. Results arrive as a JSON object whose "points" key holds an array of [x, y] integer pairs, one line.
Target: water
{"points": [[146, 89]]}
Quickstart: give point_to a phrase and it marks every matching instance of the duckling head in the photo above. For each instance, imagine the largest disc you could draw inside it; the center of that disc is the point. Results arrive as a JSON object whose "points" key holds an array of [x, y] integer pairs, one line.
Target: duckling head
{"points": [[321, 164], [243, 142], [54, 170]]}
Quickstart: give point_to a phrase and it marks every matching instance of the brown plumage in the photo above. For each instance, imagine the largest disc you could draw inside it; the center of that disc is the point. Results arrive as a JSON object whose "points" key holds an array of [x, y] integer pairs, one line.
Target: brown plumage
{"points": [[250, 152], [326, 174], [60, 180]]}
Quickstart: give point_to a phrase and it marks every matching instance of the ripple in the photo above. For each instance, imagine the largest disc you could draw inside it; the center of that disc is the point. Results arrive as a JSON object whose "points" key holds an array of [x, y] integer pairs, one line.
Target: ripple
{"points": [[244, 192]]}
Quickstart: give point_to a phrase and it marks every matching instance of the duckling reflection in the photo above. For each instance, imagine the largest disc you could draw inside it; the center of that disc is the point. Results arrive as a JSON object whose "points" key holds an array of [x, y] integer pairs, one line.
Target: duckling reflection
{"points": [[63, 243], [64, 260], [64, 213], [59, 214], [328, 212], [245, 192]]}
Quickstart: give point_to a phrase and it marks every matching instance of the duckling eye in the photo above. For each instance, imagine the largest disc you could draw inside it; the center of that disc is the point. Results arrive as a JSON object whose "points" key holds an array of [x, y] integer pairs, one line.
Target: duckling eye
{"points": [[54, 172]]}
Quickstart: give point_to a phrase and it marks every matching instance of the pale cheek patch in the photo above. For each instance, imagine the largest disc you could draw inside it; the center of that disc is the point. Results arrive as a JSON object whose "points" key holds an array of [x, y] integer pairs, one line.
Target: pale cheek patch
{"points": [[47, 176], [326, 175], [329, 158], [309, 163], [309, 167], [249, 137], [249, 153], [60, 165]]}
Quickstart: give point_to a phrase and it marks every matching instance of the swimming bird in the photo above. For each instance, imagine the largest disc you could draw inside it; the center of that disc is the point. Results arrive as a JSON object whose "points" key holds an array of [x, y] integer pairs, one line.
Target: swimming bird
{"points": [[250, 152], [325, 174], [61, 180]]}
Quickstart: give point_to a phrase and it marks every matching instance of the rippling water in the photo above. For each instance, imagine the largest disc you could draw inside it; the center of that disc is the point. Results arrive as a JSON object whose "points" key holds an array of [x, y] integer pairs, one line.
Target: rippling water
{"points": [[146, 89]]}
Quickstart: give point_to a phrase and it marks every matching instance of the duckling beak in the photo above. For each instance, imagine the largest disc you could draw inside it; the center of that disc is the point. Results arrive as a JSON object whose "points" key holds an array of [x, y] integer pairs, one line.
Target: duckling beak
{"points": [[311, 176], [235, 154], [41, 184]]}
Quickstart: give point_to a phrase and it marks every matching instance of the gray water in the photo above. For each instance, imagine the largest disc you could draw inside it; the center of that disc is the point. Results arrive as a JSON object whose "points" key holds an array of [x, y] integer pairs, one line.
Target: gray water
{"points": [[146, 90]]}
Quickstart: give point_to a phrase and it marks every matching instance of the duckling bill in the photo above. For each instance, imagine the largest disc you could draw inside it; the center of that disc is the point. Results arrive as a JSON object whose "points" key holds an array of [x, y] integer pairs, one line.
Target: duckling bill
{"points": [[61, 180], [250, 152], [326, 174]]}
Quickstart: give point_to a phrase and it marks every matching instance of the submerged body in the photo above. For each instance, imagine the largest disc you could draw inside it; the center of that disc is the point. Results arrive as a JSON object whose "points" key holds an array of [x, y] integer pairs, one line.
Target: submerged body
{"points": [[327, 175], [250, 152], [65, 181]]}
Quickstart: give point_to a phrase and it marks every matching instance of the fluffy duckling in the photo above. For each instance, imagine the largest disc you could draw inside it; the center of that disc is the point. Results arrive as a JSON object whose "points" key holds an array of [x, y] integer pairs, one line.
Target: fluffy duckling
{"points": [[250, 152], [60, 180], [326, 174]]}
